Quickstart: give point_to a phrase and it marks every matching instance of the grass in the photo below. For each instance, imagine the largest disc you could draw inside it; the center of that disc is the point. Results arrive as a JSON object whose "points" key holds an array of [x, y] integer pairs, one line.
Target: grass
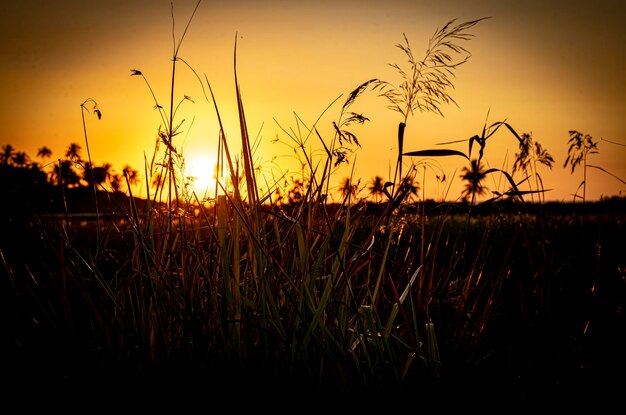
{"points": [[249, 296], [334, 313]]}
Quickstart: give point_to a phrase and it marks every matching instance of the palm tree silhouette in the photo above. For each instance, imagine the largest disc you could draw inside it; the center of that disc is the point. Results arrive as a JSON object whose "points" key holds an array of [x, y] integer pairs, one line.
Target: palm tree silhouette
{"points": [[347, 188], [44, 153], [7, 153], [474, 176], [66, 169], [413, 186], [377, 188], [116, 182], [73, 152], [20, 159], [64, 175], [98, 175]]}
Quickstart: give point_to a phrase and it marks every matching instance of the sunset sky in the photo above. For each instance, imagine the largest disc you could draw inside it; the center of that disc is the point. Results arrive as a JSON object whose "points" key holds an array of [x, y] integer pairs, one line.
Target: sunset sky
{"points": [[546, 67]]}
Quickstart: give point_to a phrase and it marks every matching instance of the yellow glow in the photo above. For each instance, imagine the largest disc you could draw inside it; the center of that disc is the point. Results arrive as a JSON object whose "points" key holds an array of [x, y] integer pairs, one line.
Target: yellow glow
{"points": [[528, 67], [200, 171]]}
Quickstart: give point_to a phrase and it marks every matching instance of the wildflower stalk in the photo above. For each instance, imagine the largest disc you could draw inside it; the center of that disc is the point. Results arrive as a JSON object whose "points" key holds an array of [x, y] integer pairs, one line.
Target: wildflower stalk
{"points": [[96, 111]]}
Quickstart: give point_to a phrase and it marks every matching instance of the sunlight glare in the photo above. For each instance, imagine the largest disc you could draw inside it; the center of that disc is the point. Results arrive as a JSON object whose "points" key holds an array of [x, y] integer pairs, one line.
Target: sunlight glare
{"points": [[200, 169]]}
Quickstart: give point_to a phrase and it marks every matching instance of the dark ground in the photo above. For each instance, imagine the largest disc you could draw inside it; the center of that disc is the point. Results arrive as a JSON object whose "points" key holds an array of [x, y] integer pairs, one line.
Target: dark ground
{"points": [[568, 353]]}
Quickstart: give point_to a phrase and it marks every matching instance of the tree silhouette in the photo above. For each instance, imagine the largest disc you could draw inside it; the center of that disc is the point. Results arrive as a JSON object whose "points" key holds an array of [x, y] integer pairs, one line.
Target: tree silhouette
{"points": [[73, 152], [20, 159], [347, 188], [44, 153], [97, 175], [377, 188], [7, 153], [116, 182], [63, 174], [474, 176], [413, 186]]}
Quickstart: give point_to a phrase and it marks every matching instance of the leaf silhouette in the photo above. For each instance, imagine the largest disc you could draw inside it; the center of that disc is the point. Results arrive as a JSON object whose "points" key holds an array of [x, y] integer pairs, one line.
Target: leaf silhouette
{"points": [[435, 153], [477, 139], [514, 188], [513, 132]]}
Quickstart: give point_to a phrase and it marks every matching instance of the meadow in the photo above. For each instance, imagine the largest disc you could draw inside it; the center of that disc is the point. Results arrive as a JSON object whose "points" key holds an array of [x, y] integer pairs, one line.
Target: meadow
{"points": [[282, 293], [333, 301]]}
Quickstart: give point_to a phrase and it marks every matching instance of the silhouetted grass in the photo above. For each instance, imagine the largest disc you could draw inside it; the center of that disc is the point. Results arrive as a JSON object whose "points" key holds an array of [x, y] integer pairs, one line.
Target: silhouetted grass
{"points": [[242, 297]]}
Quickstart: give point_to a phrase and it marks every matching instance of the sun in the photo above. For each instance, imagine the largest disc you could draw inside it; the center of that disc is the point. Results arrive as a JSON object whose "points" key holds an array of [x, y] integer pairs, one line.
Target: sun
{"points": [[200, 172]]}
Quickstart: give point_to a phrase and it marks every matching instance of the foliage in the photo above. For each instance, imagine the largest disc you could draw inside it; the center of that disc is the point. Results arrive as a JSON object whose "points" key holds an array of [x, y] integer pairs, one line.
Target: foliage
{"points": [[474, 176]]}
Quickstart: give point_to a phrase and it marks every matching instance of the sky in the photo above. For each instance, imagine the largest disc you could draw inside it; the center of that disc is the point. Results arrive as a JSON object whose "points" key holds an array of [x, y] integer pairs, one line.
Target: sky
{"points": [[544, 67]]}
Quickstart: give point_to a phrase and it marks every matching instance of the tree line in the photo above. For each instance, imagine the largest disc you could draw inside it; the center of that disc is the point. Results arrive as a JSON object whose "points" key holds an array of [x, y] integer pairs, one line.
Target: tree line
{"points": [[68, 172]]}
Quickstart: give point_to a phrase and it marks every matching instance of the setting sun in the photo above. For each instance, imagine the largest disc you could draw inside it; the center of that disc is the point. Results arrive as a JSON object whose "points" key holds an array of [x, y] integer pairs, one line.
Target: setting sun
{"points": [[200, 172]]}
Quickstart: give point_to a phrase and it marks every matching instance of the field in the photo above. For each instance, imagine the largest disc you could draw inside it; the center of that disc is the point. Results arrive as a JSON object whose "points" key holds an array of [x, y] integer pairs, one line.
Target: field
{"points": [[273, 295], [324, 300]]}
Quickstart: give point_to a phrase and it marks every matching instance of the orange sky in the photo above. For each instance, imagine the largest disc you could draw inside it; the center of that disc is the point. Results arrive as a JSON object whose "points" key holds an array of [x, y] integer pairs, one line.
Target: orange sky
{"points": [[544, 67]]}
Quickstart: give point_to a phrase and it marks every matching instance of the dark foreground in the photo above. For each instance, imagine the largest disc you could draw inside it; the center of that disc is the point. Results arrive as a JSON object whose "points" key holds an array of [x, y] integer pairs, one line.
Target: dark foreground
{"points": [[558, 342]]}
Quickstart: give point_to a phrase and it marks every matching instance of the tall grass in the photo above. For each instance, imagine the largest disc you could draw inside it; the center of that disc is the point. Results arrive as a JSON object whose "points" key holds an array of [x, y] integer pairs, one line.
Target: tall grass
{"points": [[247, 293], [311, 290]]}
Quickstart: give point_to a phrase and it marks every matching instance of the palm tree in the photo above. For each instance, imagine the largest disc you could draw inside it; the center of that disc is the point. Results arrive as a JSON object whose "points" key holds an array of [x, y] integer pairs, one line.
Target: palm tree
{"points": [[377, 188], [116, 182], [474, 176], [413, 186], [44, 153], [73, 152], [97, 175], [347, 188], [64, 175], [7, 153], [73, 155], [20, 159]]}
